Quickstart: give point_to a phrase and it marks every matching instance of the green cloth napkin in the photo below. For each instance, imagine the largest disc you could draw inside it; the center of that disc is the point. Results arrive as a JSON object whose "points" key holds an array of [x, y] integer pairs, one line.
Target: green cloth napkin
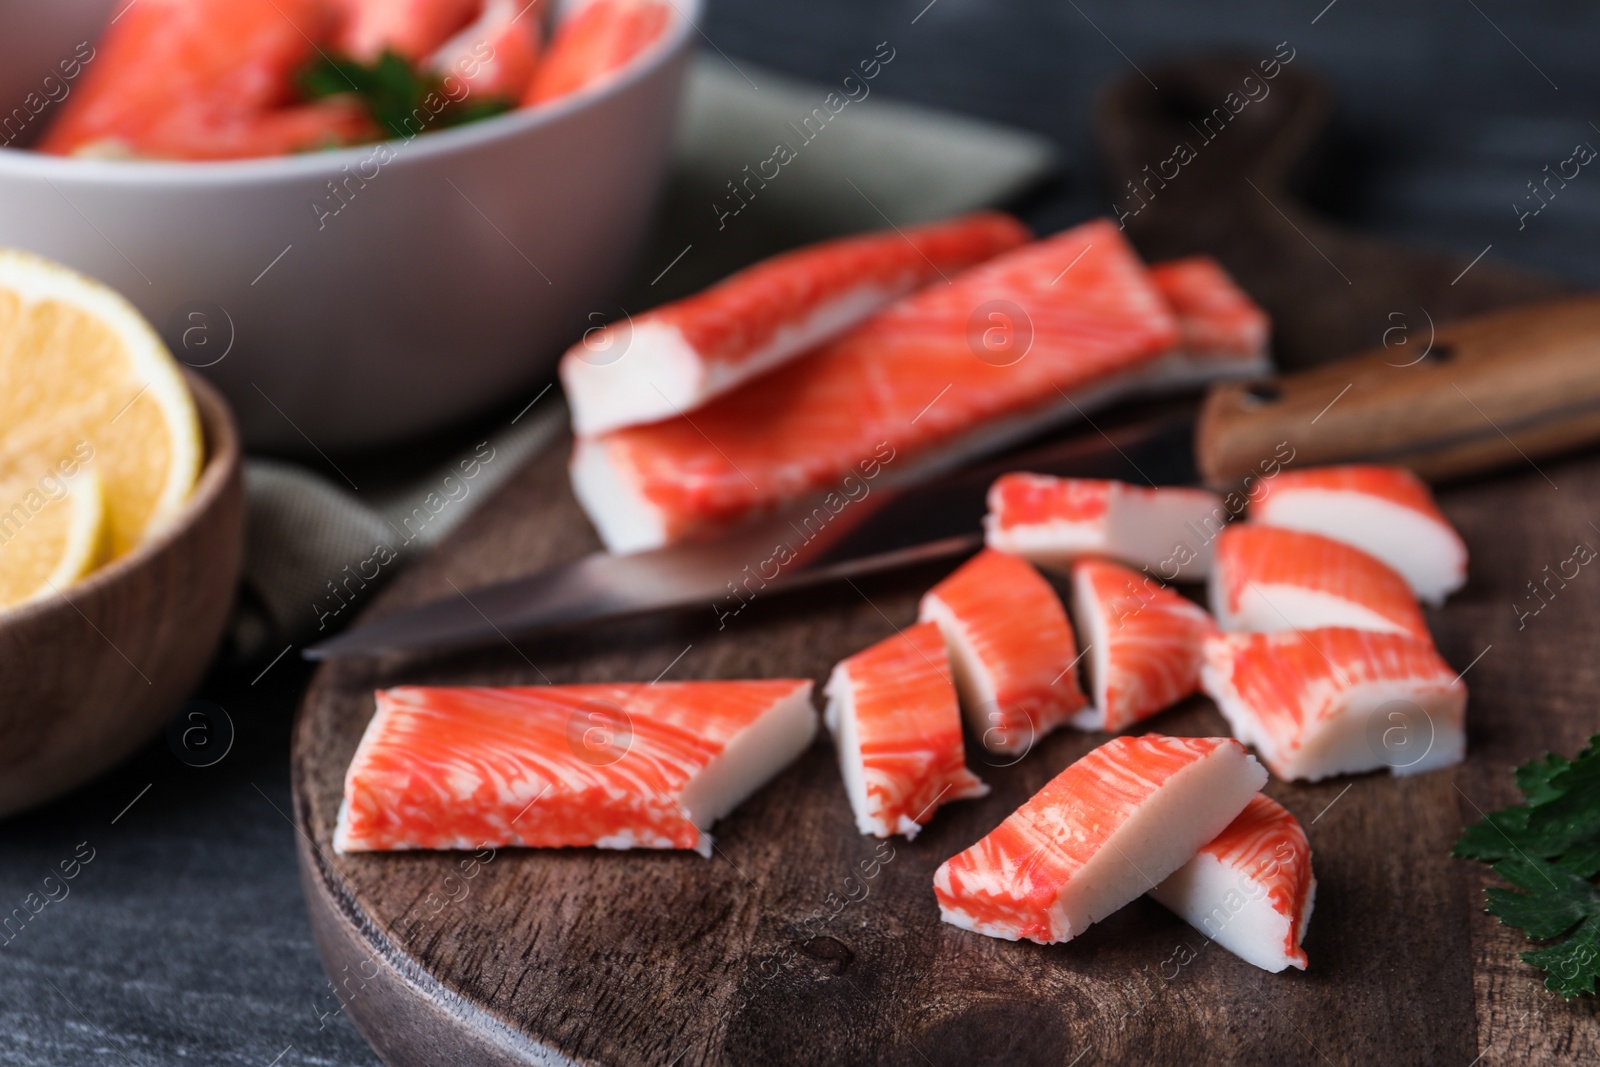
{"points": [[315, 550]]}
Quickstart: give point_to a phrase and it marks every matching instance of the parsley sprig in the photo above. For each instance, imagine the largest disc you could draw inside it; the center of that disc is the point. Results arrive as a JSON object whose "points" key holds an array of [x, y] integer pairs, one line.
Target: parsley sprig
{"points": [[393, 90], [1549, 848]]}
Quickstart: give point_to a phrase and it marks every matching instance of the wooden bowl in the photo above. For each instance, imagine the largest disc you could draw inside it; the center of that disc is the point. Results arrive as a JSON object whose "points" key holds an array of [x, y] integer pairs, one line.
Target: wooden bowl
{"points": [[91, 675]]}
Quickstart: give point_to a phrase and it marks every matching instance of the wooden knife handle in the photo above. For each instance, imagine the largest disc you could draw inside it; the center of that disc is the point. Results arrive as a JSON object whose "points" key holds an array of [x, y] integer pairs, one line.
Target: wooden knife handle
{"points": [[1478, 394]]}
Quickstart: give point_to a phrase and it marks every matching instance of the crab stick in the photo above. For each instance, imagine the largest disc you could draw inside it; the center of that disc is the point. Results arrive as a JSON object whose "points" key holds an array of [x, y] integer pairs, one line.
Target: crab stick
{"points": [[1053, 521], [1222, 333], [1104, 831], [594, 42], [1266, 578], [613, 766], [1013, 649], [1386, 512], [892, 711], [203, 79], [674, 359], [1251, 889], [1143, 643], [1316, 703], [496, 55], [1009, 346]]}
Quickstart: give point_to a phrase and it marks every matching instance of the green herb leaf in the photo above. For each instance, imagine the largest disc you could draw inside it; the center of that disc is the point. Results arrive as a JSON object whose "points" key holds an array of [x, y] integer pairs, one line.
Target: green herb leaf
{"points": [[1549, 849], [396, 93]]}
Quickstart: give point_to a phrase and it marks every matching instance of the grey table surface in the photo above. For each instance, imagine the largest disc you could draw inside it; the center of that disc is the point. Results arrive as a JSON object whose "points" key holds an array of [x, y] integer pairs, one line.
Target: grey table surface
{"points": [[184, 938]]}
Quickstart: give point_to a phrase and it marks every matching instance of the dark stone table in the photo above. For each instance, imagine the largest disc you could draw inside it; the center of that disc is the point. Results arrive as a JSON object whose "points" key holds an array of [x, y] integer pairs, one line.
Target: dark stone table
{"points": [[184, 938]]}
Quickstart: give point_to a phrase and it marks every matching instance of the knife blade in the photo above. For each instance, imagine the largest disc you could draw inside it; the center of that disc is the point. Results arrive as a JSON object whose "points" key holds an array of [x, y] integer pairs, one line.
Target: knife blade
{"points": [[886, 529]]}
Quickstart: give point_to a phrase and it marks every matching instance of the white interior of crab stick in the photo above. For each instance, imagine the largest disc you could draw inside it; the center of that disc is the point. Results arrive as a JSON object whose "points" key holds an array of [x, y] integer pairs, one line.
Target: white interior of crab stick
{"points": [[840, 716], [1266, 607], [1171, 531], [974, 685], [625, 520], [751, 759], [1230, 908], [1193, 806], [1089, 616], [1165, 832], [1430, 557], [653, 373]]}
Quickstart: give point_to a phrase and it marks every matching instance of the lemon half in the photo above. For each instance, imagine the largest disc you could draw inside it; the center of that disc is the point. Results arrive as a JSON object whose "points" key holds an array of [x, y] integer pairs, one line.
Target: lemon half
{"points": [[86, 382]]}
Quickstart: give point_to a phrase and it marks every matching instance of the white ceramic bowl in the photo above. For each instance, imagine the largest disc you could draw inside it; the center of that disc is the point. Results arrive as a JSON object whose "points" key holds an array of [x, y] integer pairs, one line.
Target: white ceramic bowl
{"points": [[449, 280]]}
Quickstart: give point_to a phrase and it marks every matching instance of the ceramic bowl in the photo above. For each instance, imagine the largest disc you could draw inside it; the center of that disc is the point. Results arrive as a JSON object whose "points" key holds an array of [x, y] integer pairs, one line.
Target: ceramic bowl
{"points": [[341, 302], [92, 674]]}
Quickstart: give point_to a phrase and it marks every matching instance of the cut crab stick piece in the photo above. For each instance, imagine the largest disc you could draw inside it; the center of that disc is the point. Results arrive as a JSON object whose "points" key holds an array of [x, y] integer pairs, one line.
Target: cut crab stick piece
{"points": [[1222, 332], [1316, 703], [613, 766], [1104, 831], [1007, 347], [1266, 578], [893, 714], [1054, 521], [677, 357], [1143, 641], [495, 56], [595, 41], [202, 79], [1251, 889], [1386, 512], [1012, 647]]}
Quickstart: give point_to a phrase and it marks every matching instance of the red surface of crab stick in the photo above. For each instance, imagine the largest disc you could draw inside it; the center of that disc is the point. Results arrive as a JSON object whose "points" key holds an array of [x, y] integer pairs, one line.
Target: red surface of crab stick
{"points": [[595, 41], [892, 710], [1143, 643], [1104, 831], [1266, 578], [1013, 650], [1053, 521], [672, 360], [613, 766], [1251, 889], [1386, 512], [1220, 328], [1007, 347], [203, 79], [1316, 703]]}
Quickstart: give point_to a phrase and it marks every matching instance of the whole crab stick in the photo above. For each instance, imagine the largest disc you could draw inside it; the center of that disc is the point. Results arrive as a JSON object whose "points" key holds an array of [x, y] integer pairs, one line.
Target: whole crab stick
{"points": [[672, 360], [594, 42], [1316, 703], [1054, 521], [1266, 578], [1010, 345], [1143, 642], [1251, 889], [1386, 512], [612, 766], [1013, 650], [892, 711], [1103, 832], [204, 79]]}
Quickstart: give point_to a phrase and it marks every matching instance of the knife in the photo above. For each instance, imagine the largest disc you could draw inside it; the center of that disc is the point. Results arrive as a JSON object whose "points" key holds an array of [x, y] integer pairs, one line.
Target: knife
{"points": [[1480, 394]]}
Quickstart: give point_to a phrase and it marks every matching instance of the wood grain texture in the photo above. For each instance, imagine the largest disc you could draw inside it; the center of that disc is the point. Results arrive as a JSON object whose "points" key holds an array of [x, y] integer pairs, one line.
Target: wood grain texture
{"points": [[1482, 394], [759, 955], [111, 658]]}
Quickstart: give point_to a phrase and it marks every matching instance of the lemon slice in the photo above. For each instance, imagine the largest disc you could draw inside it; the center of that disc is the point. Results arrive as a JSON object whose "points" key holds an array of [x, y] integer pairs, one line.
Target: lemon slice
{"points": [[85, 382], [55, 533]]}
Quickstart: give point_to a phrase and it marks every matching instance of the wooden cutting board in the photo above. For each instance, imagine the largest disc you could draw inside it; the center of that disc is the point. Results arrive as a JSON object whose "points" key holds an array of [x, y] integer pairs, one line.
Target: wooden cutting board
{"points": [[800, 941]]}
